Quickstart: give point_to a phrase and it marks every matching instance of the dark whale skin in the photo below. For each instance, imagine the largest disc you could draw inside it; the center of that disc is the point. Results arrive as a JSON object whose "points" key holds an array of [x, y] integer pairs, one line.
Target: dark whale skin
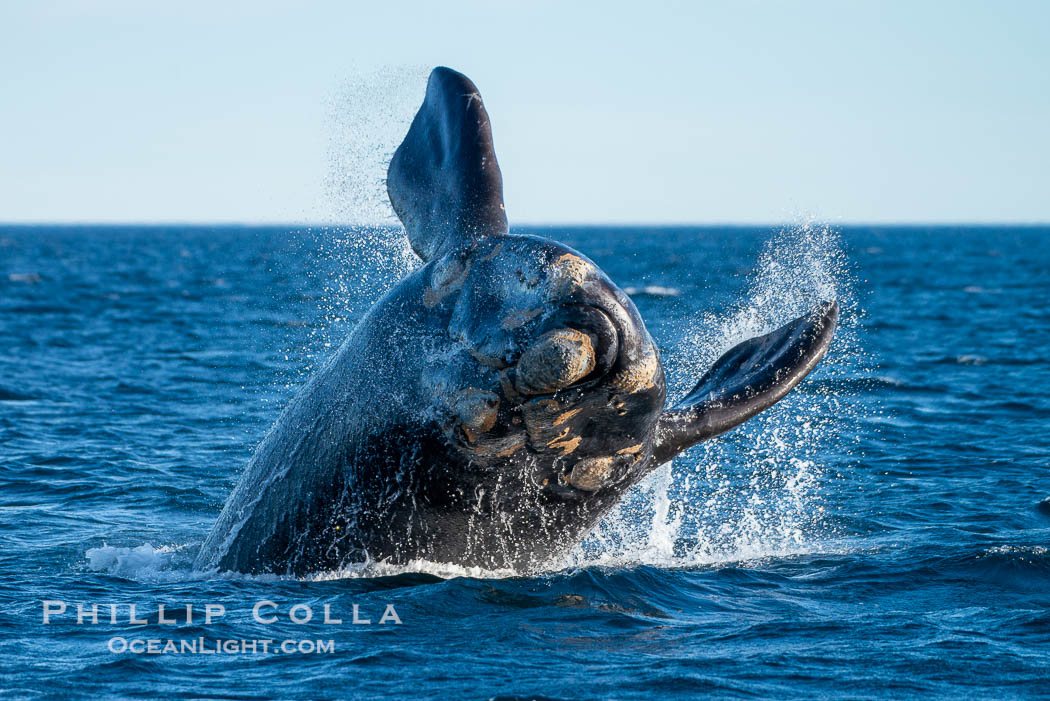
{"points": [[370, 458], [494, 404]]}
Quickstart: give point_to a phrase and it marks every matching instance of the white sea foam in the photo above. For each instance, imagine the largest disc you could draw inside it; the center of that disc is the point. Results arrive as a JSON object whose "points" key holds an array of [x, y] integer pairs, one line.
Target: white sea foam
{"points": [[445, 570], [173, 563], [144, 562]]}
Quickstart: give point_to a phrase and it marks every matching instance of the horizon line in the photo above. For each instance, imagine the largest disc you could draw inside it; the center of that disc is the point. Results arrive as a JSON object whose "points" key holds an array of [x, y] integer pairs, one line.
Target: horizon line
{"points": [[539, 224]]}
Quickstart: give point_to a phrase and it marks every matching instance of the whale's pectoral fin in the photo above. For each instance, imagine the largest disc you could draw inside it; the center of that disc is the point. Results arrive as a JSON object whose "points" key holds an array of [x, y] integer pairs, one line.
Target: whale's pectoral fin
{"points": [[443, 181], [748, 379]]}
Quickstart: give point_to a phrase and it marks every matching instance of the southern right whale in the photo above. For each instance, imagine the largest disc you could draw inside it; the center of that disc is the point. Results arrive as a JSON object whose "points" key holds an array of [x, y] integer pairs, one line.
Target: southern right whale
{"points": [[494, 404]]}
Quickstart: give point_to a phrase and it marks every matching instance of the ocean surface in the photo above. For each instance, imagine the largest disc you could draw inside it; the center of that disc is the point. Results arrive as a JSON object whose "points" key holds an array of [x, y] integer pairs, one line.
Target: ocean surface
{"points": [[882, 532]]}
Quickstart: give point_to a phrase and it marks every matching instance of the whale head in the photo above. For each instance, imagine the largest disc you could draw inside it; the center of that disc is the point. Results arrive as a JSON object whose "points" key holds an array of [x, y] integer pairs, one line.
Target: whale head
{"points": [[552, 388], [554, 382]]}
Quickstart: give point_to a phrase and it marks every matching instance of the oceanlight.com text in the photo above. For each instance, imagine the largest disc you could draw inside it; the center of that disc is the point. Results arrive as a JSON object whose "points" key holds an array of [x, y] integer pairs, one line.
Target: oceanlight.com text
{"points": [[205, 646]]}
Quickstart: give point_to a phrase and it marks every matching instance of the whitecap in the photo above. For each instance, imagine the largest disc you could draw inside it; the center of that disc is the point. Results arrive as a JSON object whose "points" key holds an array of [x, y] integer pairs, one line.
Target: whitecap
{"points": [[27, 278], [130, 563], [653, 290], [971, 360]]}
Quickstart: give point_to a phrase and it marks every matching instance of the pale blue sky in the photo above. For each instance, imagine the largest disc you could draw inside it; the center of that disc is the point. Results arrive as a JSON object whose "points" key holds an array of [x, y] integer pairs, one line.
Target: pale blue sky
{"points": [[602, 112]]}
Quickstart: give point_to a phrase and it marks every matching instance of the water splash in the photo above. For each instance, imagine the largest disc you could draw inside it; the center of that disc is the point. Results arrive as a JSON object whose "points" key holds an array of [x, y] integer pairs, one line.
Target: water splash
{"points": [[444, 570], [757, 491], [797, 269], [363, 250], [367, 117]]}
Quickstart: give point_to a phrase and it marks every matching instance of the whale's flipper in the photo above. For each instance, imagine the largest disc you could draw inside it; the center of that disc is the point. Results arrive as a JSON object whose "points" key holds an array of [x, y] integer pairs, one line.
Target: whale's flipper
{"points": [[749, 378], [443, 181]]}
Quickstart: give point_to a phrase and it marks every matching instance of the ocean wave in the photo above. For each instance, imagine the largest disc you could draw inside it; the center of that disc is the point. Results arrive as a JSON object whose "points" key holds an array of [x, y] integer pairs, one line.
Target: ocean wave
{"points": [[27, 278], [7, 395], [1016, 566], [1043, 507], [141, 563]]}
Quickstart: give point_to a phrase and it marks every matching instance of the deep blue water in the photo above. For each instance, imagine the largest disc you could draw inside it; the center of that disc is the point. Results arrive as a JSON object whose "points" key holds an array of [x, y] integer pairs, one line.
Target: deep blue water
{"points": [[882, 532]]}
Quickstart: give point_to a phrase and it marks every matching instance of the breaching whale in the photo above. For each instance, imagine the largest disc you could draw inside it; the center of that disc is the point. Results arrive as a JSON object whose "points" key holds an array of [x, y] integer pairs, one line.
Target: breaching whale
{"points": [[491, 407]]}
